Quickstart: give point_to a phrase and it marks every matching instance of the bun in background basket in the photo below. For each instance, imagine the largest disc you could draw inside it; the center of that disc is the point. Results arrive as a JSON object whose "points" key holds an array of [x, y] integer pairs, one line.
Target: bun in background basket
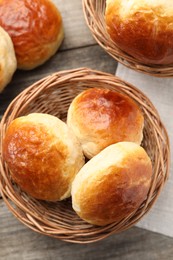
{"points": [[35, 27], [143, 29], [53, 95], [136, 33]]}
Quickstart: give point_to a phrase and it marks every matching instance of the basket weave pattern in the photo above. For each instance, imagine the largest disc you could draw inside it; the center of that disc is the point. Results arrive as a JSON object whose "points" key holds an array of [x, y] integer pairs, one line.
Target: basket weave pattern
{"points": [[53, 95], [94, 11]]}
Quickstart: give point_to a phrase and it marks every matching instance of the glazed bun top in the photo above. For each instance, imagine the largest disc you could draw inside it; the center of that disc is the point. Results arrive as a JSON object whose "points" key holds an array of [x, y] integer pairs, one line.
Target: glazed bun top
{"points": [[142, 28], [8, 63], [100, 117], [113, 184], [35, 27], [43, 156]]}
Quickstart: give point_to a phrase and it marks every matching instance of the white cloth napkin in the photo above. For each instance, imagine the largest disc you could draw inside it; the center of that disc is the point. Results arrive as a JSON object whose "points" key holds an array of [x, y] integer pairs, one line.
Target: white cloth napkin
{"points": [[160, 92]]}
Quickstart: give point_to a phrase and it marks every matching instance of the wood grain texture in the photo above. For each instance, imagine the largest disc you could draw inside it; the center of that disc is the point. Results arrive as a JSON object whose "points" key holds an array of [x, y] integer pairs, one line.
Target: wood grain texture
{"points": [[77, 33], [18, 242]]}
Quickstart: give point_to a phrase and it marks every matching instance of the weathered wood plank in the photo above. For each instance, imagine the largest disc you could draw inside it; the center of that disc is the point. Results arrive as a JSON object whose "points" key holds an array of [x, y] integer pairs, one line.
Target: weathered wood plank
{"points": [[77, 33], [93, 57], [19, 242]]}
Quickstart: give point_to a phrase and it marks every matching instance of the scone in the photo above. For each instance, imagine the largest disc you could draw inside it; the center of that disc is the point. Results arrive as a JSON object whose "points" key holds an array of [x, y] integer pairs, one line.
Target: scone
{"points": [[35, 27], [101, 117], [113, 184], [43, 156], [8, 61]]}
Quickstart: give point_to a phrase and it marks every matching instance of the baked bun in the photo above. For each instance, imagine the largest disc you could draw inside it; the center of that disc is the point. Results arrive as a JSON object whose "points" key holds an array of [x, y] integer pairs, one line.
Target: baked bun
{"points": [[43, 156], [113, 184], [8, 61], [101, 117], [142, 28], [35, 27]]}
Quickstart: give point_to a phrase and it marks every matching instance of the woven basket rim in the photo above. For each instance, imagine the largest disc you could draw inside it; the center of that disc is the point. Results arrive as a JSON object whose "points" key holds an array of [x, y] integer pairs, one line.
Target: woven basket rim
{"points": [[78, 231], [96, 23]]}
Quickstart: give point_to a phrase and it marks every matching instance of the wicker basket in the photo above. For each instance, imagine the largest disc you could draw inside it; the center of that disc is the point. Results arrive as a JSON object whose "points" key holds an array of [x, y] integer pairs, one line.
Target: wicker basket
{"points": [[53, 95], [94, 11]]}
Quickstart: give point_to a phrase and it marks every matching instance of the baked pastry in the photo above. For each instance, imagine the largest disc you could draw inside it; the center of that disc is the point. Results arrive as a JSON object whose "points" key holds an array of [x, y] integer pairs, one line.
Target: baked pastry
{"points": [[43, 156], [35, 27], [101, 117], [142, 28], [8, 61], [113, 184]]}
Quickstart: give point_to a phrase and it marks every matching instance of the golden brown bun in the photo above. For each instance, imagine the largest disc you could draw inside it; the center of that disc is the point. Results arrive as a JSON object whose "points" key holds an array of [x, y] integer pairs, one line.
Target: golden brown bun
{"points": [[113, 184], [8, 61], [35, 27], [142, 28], [100, 117], [43, 156]]}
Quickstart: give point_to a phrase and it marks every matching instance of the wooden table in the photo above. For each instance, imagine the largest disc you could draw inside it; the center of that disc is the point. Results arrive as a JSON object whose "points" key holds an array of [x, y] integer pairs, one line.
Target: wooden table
{"points": [[17, 242]]}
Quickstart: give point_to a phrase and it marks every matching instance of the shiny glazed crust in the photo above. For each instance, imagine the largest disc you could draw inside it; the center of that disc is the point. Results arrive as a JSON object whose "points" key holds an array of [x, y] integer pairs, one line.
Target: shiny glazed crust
{"points": [[100, 117], [35, 27], [142, 28], [8, 61], [113, 184], [43, 156]]}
